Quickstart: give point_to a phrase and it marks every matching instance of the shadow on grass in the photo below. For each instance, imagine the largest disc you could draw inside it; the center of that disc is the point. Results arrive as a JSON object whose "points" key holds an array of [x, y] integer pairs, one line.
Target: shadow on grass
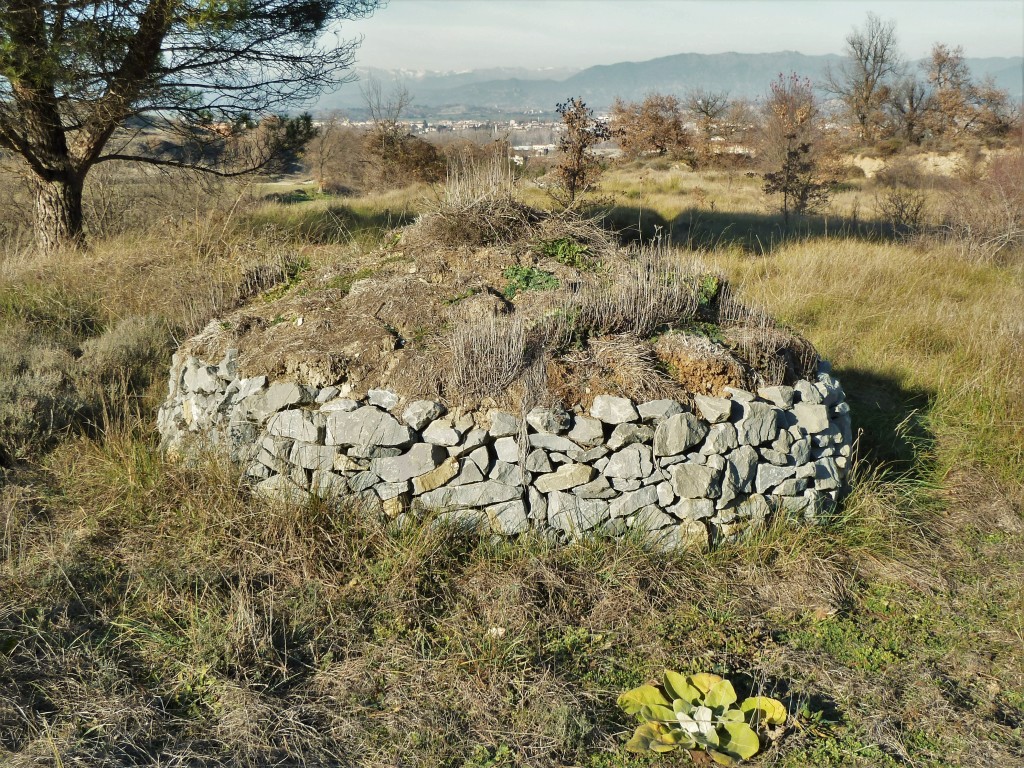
{"points": [[890, 422], [754, 232]]}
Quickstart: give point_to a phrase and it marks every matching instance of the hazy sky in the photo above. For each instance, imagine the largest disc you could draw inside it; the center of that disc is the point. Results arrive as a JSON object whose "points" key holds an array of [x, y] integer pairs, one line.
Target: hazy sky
{"points": [[474, 34]]}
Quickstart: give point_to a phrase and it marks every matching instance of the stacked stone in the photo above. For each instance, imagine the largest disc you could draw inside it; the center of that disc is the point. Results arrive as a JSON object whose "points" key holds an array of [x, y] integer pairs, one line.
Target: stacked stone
{"points": [[674, 476]]}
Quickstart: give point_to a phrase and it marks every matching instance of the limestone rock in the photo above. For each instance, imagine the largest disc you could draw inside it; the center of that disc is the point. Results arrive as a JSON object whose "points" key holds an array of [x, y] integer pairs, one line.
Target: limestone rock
{"points": [[366, 426], [281, 488], [295, 425], [568, 476], [508, 518], [473, 495], [614, 410], [311, 456], [420, 459], [598, 488], [574, 515], [343, 404], [420, 413], [277, 397], [503, 424], [328, 485], [781, 397], [587, 432], [553, 443], [650, 518], [739, 395], [689, 534], [678, 433], [808, 393], [441, 432], [693, 481], [714, 409], [769, 476], [507, 449], [384, 399], [632, 462], [758, 424], [627, 434], [537, 461], [721, 439], [692, 509], [503, 472], [554, 421], [469, 472], [628, 503], [811, 417], [656, 411]]}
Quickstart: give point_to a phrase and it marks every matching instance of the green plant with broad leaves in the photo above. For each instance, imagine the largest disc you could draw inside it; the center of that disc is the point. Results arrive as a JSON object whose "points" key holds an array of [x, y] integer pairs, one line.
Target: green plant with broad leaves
{"points": [[699, 713]]}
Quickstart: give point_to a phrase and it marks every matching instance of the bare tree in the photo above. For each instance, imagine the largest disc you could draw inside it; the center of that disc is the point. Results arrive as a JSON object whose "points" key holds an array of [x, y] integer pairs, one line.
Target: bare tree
{"points": [[654, 125], [863, 80], [709, 111], [396, 156], [908, 104]]}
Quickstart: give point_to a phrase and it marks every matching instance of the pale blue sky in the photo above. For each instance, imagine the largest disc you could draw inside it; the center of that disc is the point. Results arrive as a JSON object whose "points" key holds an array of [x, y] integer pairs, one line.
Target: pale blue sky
{"points": [[474, 34]]}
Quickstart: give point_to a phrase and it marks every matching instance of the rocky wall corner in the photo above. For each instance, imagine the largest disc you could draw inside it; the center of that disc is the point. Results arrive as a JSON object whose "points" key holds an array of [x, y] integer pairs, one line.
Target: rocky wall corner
{"points": [[681, 477]]}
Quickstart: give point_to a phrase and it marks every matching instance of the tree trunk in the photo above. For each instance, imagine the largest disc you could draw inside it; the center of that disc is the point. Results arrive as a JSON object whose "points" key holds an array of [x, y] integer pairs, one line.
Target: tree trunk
{"points": [[58, 212]]}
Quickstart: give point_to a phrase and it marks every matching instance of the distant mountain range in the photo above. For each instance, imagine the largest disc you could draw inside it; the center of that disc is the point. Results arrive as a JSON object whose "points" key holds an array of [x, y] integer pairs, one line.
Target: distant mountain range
{"points": [[511, 91]]}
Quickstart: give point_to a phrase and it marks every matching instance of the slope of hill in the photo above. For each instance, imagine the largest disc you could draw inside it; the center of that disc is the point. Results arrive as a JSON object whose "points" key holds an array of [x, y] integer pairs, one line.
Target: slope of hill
{"points": [[743, 75]]}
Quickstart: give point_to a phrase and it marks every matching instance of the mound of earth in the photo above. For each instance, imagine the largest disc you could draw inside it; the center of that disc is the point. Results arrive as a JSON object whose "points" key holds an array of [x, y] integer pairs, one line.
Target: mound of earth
{"points": [[551, 311]]}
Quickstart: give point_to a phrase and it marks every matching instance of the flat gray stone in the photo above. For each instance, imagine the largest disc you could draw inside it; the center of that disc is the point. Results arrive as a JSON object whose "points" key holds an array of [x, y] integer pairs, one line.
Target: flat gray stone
{"points": [[382, 398], [277, 397], [650, 518], [312, 456], [808, 393], [769, 476], [632, 462], [508, 518], [655, 411], [626, 484], [295, 425], [249, 387], [419, 460], [568, 476], [779, 396], [537, 504], [693, 481], [826, 475], [363, 481], [778, 458], [587, 432], [201, 378], [714, 410], [386, 491], [503, 424], [628, 503], [474, 495], [554, 420], [721, 439], [326, 484], [739, 395], [373, 451], [759, 423], [366, 426], [800, 451], [441, 432], [469, 473], [614, 410], [627, 434], [553, 443], [503, 472], [666, 496], [812, 418], [740, 470], [573, 515], [678, 433], [598, 488], [692, 509], [419, 413], [326, 394], [537, 461], [507, 449], [227, 368], [783, 443], [790, 487], [591, 455], [482, 458], [830, 389]]}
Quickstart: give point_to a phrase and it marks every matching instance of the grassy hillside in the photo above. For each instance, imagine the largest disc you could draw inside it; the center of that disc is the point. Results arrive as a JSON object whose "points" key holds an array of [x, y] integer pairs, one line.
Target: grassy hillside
{"points": [[153, 612]]}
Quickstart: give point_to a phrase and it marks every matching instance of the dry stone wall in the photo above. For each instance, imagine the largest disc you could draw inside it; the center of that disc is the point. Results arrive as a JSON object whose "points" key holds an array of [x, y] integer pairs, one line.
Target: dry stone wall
{"points": [[679, 477]]}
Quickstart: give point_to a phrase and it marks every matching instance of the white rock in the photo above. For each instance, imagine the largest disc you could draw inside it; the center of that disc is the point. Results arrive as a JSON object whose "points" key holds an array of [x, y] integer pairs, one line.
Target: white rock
{"points": [[678, 433], [759, 423], [554, 421], [721, 439], [366, 426], [627, 434], [628, 503], [812, 418], [693, 481], [295, 425], [568, 476], [614, 410], [507, 449], [503, 424], [441, 432], [419, 460], [632, 462], [421, 412], [382, 398], [779, 396], [587, 431], [714, 409], [656, 411]]}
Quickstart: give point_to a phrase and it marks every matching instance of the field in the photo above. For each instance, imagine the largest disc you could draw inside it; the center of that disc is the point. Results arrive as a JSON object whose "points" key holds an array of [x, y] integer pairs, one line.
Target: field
{"points": [[154, 613]]}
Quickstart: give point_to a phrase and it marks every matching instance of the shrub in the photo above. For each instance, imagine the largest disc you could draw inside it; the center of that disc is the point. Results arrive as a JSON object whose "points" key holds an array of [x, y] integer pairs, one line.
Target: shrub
{"points": [[904, 208], [984, 218]]}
